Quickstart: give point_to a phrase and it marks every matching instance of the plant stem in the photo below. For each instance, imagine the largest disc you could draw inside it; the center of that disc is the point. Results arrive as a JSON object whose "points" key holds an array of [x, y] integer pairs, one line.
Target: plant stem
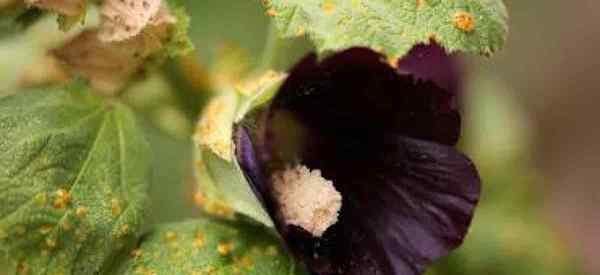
{"points": [[271, 49]]}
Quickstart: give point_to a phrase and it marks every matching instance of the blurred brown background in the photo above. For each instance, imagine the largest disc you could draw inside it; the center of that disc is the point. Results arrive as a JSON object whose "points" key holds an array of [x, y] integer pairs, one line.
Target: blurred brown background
{"points": [[551, 63]]}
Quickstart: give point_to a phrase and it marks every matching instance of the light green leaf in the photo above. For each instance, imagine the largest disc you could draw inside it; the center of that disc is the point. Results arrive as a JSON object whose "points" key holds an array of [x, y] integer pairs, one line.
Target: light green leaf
{"points": [[223, 188], [73, 178], [221, 181], [211, 246], [394, 26]]}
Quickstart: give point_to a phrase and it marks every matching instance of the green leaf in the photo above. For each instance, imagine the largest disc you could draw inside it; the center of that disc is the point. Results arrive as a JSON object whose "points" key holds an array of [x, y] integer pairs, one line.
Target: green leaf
{"points": [[221, 181], [246, 27], [177, 43], [394, 27], [211, 246], [73, 178]]}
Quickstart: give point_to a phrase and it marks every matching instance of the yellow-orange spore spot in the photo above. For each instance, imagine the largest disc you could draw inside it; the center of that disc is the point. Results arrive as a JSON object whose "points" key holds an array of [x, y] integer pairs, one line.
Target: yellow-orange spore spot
{"points": [[420, 3], [124, 230], [51, 243], [301, 31], [210, 270], [199, 240], [393, 62], [219, 209], [171, 236], [63, 198], [199, 198], [225, 248], [245, 262], [22, 269], [464, 21], [81, 212], [115, 206], [136, 253], [46, 228], [271, 12], [328, 8]]}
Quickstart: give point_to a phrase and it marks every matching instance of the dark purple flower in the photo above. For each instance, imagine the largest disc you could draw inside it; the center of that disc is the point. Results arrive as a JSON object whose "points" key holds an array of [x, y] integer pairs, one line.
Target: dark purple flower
{"points": [[384, 138]]}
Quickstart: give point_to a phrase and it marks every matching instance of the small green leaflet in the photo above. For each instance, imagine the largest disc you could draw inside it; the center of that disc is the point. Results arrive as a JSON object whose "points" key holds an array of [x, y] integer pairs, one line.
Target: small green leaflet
{"points": [[210, 246], [393, 27], [73, 177]]}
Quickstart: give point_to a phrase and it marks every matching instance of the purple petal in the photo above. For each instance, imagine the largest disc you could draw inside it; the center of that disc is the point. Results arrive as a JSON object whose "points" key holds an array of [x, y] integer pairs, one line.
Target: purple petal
{"points": [[355, 91], [248, 160], [431, 62], [384, 139], [406, 203]]}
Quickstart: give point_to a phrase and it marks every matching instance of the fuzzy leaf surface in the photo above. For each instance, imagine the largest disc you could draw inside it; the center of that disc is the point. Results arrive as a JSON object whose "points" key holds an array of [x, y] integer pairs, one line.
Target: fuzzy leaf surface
{"points": [[73, 178], [211, 246], [393, 27]]}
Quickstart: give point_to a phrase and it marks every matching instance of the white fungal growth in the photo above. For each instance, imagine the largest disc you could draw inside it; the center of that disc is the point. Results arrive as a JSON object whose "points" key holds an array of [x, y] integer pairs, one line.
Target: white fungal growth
{"points": [[307, 199], [123, 19]]}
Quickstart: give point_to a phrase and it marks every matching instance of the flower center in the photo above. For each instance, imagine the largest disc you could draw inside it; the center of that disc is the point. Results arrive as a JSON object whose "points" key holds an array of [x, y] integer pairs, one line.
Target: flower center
{"points": [[307, 199]]}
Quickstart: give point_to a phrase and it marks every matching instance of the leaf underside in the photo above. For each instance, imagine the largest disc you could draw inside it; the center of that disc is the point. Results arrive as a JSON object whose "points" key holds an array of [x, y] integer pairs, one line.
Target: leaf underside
{"points": [[73, 177], [394, 27]]}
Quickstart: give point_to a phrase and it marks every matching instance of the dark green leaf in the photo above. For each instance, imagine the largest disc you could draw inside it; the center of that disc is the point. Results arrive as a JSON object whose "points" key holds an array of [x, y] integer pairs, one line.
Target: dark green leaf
{"points": [[73, 179]]}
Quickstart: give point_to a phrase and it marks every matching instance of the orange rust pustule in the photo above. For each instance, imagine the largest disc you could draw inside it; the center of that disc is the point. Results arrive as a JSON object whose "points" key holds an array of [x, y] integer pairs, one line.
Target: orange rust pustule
{"points": [[464, 21]]}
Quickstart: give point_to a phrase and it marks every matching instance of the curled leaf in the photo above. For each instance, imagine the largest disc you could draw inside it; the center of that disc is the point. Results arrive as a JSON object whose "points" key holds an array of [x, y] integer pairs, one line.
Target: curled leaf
{"points": [[73, 178]]}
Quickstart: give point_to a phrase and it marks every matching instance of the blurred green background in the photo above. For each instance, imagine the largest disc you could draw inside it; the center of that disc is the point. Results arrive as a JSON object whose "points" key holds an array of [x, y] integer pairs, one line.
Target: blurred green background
{"points": [[531, 126]]}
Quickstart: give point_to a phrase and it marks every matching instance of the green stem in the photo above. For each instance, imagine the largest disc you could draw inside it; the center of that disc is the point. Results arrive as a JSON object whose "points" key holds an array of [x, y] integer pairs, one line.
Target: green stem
{"points": [[271, 50]]}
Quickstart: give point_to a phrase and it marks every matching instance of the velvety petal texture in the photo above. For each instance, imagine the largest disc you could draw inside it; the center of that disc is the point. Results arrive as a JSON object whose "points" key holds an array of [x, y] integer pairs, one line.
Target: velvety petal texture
{"points": [[384, 139], [430, 62]]}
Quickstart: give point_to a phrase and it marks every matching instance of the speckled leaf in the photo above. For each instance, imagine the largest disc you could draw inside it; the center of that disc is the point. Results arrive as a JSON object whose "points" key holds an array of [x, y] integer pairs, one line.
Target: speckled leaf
{"points": [[211, 246], [73, 177], [394, 26]]}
